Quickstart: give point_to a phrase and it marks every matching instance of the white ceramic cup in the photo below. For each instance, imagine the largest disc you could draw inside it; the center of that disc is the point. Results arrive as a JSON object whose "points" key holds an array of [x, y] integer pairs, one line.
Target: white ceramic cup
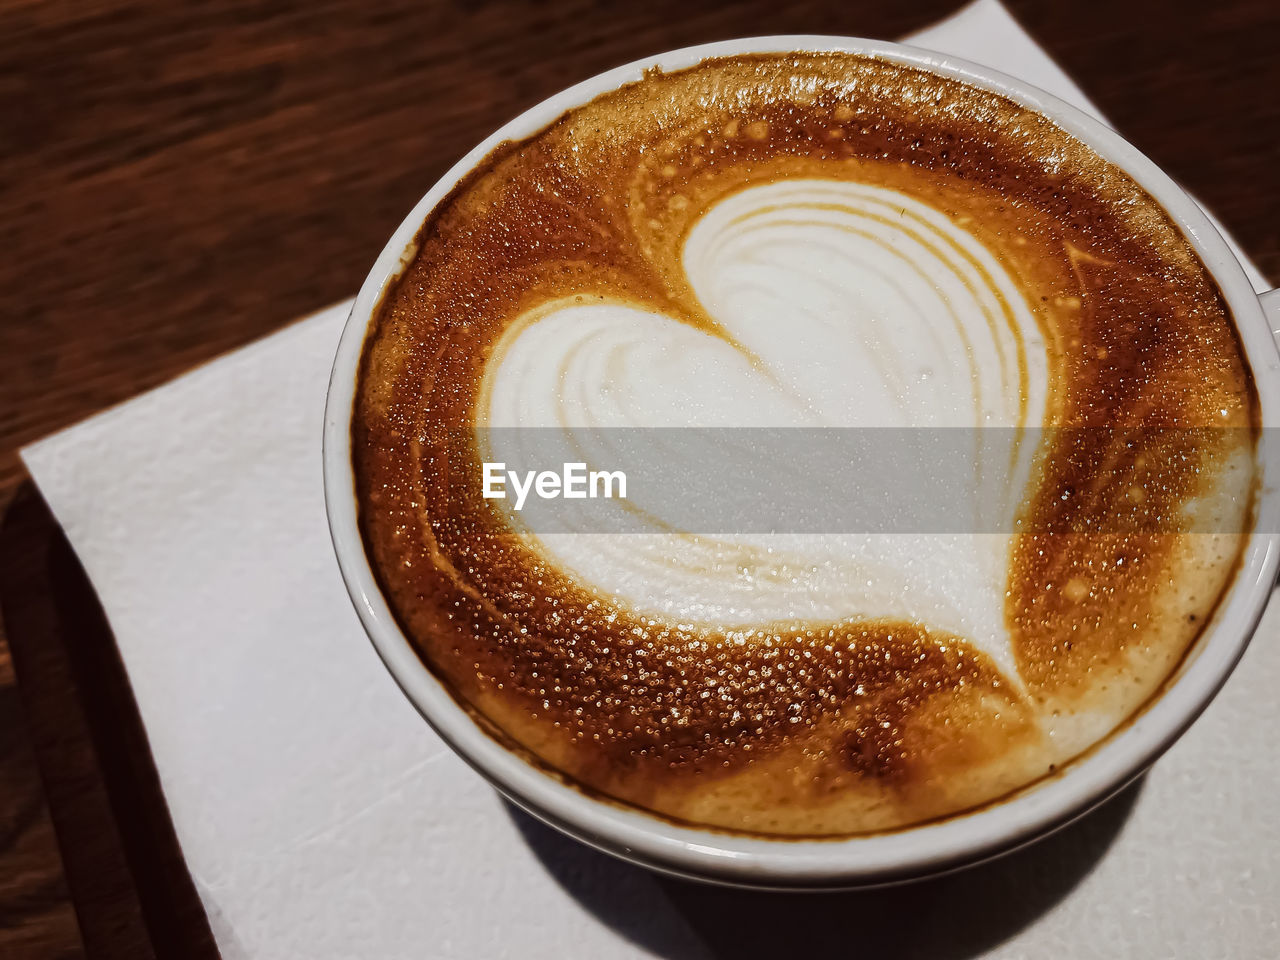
{"points": [[860, 861]]}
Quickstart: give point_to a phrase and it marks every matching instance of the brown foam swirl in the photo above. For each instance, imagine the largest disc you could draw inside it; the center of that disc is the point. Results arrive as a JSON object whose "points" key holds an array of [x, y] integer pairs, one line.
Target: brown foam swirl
{"points": [[793, 725]]}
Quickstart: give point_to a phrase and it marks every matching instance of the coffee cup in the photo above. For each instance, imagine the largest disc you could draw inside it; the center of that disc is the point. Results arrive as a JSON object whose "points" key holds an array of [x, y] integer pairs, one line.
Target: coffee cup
{"points": [[874, 858]]}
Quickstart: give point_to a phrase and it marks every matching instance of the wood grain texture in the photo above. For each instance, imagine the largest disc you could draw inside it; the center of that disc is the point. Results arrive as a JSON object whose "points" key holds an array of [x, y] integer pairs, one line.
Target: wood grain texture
{"points": [[179, 179]]}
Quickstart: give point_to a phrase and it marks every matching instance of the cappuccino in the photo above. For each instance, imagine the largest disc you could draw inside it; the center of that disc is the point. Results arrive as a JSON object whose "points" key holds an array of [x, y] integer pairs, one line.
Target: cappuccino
{"points": [[804, 241]]}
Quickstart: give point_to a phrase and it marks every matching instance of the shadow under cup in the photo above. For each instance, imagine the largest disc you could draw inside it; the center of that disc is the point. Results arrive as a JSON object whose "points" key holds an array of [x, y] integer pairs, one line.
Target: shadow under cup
{"points": [[865, 860]]}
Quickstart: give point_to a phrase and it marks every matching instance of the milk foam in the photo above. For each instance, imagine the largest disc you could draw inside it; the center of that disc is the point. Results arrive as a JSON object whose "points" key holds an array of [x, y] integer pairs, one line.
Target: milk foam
{"points": [[839, 304]]}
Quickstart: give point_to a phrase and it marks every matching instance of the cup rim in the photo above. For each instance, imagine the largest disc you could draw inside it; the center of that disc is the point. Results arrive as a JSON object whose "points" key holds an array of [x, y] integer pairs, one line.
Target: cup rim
{"points": [[878, 858]]}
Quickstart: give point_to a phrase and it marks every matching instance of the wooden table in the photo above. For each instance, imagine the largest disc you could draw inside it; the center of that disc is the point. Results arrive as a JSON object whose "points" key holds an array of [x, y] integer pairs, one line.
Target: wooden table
{"points": [[177, 180]]}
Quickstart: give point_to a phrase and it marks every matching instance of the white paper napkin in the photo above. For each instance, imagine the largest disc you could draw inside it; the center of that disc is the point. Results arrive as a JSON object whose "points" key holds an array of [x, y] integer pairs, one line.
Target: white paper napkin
{"points": [[321, 818]]}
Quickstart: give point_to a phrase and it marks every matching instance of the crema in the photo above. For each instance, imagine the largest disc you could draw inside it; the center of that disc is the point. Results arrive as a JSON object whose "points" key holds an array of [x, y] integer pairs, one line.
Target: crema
{"points": [[817, 241]]}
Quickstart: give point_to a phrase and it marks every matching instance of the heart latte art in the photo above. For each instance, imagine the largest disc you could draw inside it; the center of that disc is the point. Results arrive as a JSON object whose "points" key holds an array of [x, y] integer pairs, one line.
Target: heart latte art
{"points": [[811, 241]]}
